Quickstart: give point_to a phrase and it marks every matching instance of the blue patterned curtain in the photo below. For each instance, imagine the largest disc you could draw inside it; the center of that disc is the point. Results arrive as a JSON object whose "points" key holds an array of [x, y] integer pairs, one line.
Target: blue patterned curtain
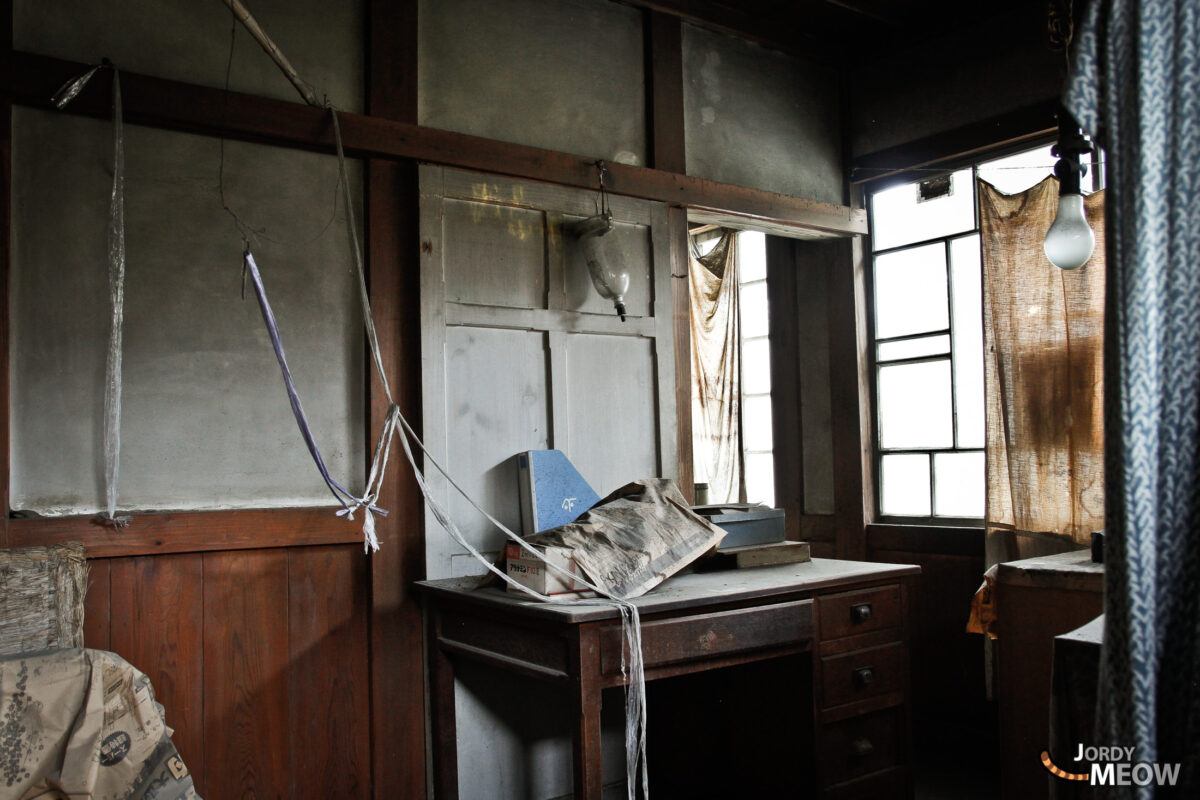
{"points": [[1135, 86]]}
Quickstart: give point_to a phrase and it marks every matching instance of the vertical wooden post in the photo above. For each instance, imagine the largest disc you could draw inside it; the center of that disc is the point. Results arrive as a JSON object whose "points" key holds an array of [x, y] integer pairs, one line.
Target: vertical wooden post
{"points": [[6, 31], [853, 421], [663, 40], [783, 284], [397, 669]]}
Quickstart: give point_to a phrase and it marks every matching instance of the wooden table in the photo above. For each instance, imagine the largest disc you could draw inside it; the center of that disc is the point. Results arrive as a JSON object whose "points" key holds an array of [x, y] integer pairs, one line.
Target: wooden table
{"points": [[850, 617], [1036, 600]]}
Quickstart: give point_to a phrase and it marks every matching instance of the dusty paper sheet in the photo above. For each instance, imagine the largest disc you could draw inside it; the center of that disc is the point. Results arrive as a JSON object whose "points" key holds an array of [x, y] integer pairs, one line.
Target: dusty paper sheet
{"points": [[83, 725], [635, 538]]}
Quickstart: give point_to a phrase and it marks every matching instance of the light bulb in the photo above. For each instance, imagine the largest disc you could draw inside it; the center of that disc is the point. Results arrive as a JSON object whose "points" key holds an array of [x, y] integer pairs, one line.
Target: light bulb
{"points": [[1070, 241]]}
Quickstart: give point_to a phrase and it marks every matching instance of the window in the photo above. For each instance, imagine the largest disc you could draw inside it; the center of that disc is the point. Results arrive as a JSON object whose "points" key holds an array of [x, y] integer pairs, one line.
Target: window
{"points": [[756, 369], [750, 371], [927, 338]]}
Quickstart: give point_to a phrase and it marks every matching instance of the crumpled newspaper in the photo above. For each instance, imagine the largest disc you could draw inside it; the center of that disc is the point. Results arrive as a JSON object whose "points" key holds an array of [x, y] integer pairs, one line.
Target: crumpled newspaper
{"points": [[83, 725], [635, 538]]}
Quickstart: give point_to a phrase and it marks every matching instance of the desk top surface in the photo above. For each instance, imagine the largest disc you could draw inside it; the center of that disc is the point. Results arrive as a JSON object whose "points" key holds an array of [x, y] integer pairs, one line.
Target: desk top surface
{"points": [[686, 590], [1071, 570]]}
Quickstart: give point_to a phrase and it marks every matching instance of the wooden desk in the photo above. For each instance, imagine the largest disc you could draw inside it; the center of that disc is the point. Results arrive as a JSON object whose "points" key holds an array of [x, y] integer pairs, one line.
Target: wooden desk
{"points": [[1036, 600], [850, 617]]}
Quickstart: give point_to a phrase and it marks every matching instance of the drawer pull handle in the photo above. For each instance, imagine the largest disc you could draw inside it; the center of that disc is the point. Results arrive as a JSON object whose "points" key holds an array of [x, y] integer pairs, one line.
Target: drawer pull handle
{"points": [[863, 676], [860, 612], [862, 747]]}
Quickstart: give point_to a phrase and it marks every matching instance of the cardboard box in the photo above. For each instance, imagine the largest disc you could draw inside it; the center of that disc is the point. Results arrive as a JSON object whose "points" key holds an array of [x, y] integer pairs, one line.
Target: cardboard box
{"points": [[528, 571]]}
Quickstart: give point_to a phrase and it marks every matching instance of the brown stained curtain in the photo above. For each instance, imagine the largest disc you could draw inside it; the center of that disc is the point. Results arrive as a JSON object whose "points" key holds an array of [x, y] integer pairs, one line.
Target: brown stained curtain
{"points": [[717, 371], [1044, 336]]}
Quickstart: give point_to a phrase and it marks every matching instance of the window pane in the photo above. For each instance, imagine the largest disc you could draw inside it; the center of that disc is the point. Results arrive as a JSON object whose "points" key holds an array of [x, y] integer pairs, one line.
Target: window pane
{"points": [[910, 292], [753, 309], [915, 348], [1018, 172], [756, 366], [899, 217], [966, 278], [914, 406], [756, 423], [904, 486], [752, 256], [760, 478], [958, 484]]}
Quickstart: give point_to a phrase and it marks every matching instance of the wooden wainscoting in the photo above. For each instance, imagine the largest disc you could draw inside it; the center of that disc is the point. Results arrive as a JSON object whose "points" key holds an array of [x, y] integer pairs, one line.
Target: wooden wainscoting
{"points": [[259, 657]]}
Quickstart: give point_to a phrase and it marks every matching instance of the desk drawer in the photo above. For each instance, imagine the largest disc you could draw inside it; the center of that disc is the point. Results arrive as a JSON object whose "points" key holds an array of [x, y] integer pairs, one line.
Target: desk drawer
{"points": [[862, 674], [859, 746], [692, 638], [852, 613]]}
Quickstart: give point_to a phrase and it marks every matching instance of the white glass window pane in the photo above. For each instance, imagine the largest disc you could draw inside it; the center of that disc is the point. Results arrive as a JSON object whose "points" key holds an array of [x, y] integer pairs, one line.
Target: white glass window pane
{"points": [[753, 302], [1018, 172], [966, 279], [914, 348], [910, 292], [756, 366], [914, 406], [958, 485], [756, 423], [898, 217], [904, 485], [752, 256], [760, 478]]}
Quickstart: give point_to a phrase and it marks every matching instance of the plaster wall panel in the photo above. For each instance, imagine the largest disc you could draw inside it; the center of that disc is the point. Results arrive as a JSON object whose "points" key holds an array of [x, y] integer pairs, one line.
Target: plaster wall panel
{"points": [[612, 412], [206, 421], [759, 118], [189, 41], [564, 75], [497, 405]]}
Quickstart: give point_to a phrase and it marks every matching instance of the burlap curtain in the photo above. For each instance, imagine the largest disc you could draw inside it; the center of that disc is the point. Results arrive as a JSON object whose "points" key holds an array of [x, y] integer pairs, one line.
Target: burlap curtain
{"points": [[717, 371], [1044, 340]]}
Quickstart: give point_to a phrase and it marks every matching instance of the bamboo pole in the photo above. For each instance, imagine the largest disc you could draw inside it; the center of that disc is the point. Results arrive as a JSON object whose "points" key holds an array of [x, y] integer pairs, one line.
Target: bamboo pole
{"points": [[247, 19]]}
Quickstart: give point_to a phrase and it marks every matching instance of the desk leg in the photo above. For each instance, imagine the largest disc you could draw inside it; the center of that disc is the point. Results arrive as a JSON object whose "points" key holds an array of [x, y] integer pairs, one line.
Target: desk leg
{"points": [[442, 713], [588, 772]]}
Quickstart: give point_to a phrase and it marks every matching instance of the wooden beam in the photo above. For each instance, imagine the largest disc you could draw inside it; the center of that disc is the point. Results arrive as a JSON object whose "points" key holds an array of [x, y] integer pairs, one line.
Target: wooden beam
{"points": [[664, 92], [397, 668], [728, 20], [191, 531], [909, 162], [197, 109]]}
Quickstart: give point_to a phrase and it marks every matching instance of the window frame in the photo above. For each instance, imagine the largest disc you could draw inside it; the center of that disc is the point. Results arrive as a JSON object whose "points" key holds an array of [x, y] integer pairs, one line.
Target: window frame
{"points": [[872, 188]]}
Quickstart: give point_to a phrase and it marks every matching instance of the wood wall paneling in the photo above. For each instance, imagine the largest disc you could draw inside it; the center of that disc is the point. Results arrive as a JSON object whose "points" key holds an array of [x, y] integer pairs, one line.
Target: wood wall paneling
{"points": [[96, 606], [193, 531], [329, 690], [246, 694], [948, 662], [156, 623]]}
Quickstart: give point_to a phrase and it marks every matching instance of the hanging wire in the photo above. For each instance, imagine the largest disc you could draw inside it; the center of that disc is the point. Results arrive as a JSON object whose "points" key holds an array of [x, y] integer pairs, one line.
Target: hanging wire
{"points": [[249, 232]]}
